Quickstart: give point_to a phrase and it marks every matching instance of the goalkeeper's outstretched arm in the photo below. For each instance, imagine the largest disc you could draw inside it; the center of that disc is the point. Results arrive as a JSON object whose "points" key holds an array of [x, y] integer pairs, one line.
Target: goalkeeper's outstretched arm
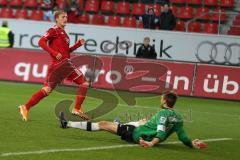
{"points": [[147, 144], [196, 143], [182, 136]]}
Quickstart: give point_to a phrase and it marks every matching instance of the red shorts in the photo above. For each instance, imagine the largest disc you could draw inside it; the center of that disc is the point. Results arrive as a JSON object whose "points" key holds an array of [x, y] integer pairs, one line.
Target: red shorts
{"points": [[64, 70]]}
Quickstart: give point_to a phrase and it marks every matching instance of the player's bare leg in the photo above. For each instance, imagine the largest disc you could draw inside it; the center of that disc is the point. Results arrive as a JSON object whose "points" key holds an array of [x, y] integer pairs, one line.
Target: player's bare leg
{"points": [[36, 97], [77, 110], [98, 126], [111, 127], [89, 126], [108, 126]]}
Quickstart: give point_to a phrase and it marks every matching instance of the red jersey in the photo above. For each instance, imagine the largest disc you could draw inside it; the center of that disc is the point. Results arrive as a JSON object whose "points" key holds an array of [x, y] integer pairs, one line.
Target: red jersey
{"points": [[55, 41]]}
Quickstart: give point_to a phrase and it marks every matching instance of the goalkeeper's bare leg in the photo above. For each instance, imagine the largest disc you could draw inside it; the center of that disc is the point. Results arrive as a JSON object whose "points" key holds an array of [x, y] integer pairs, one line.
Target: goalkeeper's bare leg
{"points": [[111, 127]]}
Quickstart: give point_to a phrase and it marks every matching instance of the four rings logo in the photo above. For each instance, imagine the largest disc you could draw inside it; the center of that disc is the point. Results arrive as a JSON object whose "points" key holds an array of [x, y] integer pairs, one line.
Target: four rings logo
{"points": [[218, 53]]}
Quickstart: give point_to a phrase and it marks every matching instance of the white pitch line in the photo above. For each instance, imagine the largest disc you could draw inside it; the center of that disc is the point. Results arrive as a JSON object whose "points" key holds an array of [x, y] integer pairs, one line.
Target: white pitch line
{"points": [[95, 148]]}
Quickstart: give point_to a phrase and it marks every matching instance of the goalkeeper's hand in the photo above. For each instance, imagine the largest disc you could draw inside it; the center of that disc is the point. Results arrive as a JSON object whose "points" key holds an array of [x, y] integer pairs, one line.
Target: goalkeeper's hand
{"points": [[145, 144], [197, 144]]}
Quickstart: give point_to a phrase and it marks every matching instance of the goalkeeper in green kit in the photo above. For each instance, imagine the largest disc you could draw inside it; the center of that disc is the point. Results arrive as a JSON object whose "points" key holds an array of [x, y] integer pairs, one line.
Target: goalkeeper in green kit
{"points": [[146, 133]]}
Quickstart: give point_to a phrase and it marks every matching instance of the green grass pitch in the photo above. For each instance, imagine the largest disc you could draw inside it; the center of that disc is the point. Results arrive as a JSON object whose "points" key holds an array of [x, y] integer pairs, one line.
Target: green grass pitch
{"points": [[205, 119]]}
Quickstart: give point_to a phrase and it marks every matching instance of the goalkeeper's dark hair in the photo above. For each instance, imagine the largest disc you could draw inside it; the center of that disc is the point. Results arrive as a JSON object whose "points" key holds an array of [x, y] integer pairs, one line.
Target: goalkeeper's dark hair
{"points": [[170, 97]]}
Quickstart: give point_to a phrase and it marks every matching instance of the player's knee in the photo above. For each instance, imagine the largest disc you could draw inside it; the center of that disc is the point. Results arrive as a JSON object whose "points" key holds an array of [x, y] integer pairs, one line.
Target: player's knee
{"points": [[102, 124], [86, 84], [47, 90]]}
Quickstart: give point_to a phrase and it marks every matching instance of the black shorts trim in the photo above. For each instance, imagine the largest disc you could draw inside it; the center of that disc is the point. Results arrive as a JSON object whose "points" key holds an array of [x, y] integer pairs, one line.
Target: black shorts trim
{"points": [[126, 131]]}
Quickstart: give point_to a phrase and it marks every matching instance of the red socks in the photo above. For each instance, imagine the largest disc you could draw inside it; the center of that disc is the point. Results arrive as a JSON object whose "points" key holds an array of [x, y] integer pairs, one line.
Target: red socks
{"points": [[36, 98], [41, 94], [81, 94]]}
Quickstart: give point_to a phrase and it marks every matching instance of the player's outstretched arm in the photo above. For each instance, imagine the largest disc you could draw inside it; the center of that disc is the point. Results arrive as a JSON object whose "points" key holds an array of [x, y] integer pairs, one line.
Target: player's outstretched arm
{"points": [[161, 134], [147, 144], [182, 136], [78, 44], [197, 144]]}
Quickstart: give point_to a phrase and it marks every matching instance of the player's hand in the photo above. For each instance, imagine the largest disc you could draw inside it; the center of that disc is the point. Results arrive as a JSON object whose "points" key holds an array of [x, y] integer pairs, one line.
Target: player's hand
{"points": [[145, 144], [82, 41], [59, 56], [197, 144]]}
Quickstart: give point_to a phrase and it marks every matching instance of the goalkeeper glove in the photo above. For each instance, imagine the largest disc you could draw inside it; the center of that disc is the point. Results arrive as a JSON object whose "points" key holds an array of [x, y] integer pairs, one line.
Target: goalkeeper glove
{"points": [[198, 144]]}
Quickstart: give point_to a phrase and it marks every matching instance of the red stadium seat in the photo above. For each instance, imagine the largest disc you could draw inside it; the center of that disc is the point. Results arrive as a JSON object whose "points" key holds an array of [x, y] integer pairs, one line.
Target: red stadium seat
{"points": [[92, 6], [123, 8], [6, 13], [61, 4], [215, 16], [178, 1], [202, 13], [210, 2], [194, 27], [180, 26], [186, 12], [227, 3], [107, 6], [174, 10], [81, 3], [21, 14], [236, 22], [31, 3], [3, 2], [210, 28], [140, 24], [156, 7], [138, 9], [98, 19], [84, 18], [73, 16], [16, 3], [238, 17], [130, 22], [46, 4], [234, 31], [195, 2], [114, 21], [37, 15]]}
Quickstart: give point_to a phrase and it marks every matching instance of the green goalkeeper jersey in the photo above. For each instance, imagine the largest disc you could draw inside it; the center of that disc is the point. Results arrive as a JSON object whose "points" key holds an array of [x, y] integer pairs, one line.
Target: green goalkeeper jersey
{"points": [[161, 126]]}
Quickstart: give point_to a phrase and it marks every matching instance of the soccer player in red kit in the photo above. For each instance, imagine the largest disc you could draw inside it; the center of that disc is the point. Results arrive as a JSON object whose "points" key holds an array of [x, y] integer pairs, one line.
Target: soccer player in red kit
{"points": [[56, 42]]}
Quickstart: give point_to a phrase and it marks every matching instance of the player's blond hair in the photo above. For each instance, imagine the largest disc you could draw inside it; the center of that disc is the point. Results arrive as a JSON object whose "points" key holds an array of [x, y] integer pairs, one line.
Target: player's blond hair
{"points": [[57, 13]]}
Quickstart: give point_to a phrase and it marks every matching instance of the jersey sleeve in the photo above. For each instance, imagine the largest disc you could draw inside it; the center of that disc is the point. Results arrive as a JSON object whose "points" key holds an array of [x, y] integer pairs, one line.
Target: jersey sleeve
{"points": [[50, 34], [161, 127], [43, 42], [182, 136], [75, 46]]}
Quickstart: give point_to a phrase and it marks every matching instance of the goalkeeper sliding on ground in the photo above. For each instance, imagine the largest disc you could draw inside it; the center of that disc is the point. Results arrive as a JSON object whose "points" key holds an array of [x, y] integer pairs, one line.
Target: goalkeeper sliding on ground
{"points": [[146, 133]]}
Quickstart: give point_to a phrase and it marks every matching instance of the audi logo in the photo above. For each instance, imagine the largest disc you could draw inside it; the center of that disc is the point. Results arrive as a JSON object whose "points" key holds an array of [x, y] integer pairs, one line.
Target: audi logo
{"points": [[218, 53]]}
